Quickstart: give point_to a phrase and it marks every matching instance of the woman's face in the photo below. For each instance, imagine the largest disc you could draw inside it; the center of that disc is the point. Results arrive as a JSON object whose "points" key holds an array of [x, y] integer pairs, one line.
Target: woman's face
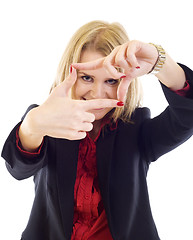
{"points": [[95, 84]]}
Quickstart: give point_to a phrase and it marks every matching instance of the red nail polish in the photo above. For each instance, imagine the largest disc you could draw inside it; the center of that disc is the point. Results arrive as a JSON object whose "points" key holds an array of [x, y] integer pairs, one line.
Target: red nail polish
{"points": [[120, 104], [70, 68], [123, 76], [138, 67]]}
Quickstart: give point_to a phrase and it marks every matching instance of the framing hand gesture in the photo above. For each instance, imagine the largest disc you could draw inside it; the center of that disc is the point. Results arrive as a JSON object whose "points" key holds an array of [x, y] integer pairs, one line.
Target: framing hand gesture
{"points": [[134, 57], [60, 116]]}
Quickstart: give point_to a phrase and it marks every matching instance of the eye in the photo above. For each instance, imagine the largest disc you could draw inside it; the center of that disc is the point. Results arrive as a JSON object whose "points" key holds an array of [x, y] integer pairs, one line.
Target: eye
{"points": [[86, 78], [112, 81]]}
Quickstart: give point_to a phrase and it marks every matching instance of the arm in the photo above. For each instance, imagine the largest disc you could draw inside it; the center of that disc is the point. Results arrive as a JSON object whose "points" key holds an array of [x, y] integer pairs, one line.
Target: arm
{"points": [[29, 140], [59, 116], [173, 126], [18, 164]]}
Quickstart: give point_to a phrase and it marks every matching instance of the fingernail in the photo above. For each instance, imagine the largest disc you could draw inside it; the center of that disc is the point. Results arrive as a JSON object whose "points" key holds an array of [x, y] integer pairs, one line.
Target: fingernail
{"points": [[120, 104], [123, 76], [138, 67], [70, 68]]}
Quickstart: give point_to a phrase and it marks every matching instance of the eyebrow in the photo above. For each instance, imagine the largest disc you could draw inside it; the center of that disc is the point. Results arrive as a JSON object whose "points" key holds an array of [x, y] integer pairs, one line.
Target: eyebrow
{"points": [[86, 74]]}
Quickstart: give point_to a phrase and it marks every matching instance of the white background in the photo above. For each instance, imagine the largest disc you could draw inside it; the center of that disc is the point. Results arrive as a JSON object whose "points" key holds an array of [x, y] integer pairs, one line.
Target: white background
{"points": [[33, 37]]}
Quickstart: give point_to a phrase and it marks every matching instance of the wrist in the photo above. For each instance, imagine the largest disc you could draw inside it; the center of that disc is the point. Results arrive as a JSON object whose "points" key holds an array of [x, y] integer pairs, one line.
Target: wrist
{"points": [[160, 61], [172, 75], [29, 136]]}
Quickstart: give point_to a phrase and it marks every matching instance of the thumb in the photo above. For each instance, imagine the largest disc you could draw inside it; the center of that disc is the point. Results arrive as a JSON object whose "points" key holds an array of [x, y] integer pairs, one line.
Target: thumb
{"points": [[63, 89]]}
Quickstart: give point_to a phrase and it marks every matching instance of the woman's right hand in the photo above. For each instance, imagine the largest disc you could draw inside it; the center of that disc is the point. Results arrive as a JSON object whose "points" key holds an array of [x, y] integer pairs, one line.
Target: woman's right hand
{"points": [[60, 116]]}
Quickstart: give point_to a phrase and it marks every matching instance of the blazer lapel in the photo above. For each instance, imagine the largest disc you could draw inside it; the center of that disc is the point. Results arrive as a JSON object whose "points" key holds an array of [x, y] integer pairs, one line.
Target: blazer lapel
{"points": [[67, 157], [104, 156]]}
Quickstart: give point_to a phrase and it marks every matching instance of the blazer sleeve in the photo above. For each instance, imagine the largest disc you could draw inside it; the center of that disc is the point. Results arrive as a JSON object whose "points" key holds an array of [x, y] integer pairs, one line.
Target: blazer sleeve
{"points": [[19, 165], [172, 127]]}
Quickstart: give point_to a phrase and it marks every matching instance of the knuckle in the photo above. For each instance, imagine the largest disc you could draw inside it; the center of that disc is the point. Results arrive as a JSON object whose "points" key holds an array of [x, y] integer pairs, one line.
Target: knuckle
{"points": [[92, 117], [80, 105], [106, 63], [87, 127], [133, 42], [77, 135], [129, 54], [120, 60], [73, 124], [116, 49], [90, 126], [80, 135]]}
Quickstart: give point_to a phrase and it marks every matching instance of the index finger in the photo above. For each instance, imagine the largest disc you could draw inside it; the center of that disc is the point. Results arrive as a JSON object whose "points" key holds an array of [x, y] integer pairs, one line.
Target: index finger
{"points": [[98, 63], [96, 104], [123, 88]]}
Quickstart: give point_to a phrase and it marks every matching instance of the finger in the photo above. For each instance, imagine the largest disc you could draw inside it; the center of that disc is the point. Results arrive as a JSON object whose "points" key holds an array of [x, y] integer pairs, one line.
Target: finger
{"points": [[132, 49], [120, 58], [123, 88], [88, 117], [85, 127], [64, 88], [76, 135], [110, 64], [81, 135], [99, 103], [98, 63], [70, 81], [68, 134]]}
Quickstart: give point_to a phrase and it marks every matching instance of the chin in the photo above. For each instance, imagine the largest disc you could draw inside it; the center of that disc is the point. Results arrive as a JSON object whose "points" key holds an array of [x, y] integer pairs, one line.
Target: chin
{"points": [[100, 115]]}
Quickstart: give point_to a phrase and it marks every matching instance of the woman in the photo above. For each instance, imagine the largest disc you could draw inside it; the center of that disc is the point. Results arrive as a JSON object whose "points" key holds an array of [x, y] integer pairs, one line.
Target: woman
{"points": [[89, 145]]}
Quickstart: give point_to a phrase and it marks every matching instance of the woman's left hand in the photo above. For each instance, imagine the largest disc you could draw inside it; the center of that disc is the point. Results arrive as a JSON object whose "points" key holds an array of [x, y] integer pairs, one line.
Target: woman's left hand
{"points": [[134, 57]]}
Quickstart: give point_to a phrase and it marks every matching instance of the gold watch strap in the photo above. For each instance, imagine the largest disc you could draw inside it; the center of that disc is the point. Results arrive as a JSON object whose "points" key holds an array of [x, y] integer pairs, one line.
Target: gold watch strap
{"points": [[160, 60]]}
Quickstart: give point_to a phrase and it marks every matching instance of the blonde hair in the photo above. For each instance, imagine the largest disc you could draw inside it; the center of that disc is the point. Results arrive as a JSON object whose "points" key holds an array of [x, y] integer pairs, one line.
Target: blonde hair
{"points": [[102, 37]]}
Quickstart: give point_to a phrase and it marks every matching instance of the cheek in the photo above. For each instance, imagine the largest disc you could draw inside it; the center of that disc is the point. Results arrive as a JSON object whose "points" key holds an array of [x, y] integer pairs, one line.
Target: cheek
{"points": [[113, 92]]}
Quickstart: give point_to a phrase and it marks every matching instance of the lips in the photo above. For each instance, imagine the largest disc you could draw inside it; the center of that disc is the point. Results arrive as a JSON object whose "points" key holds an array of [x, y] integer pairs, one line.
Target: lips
{"points": [[98, 109]]}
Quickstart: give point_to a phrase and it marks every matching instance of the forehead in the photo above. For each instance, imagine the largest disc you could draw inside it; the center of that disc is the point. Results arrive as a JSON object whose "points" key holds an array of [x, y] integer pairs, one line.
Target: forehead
{"points": [[88, 55]]}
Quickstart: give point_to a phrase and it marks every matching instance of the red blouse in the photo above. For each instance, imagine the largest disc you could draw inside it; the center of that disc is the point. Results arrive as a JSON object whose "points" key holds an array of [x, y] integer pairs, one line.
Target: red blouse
{"points": [[90, 222]]}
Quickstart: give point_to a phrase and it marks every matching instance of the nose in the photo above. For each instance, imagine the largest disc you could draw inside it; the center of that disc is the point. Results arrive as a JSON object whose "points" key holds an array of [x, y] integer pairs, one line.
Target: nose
{"points": [[98, 91]]}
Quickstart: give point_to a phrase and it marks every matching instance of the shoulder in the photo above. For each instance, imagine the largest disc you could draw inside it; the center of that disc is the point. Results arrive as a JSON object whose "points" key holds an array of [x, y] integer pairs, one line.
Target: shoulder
{"points": [[140, 114], [137, 119]]}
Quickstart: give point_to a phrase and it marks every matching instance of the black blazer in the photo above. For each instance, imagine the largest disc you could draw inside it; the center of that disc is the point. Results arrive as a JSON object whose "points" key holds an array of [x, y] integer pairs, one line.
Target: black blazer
{"points": [[123, 158]]}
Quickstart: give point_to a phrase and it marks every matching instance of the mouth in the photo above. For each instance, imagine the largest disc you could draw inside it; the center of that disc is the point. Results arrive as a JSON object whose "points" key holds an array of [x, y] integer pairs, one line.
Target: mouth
{"points": [[98, 109]]}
